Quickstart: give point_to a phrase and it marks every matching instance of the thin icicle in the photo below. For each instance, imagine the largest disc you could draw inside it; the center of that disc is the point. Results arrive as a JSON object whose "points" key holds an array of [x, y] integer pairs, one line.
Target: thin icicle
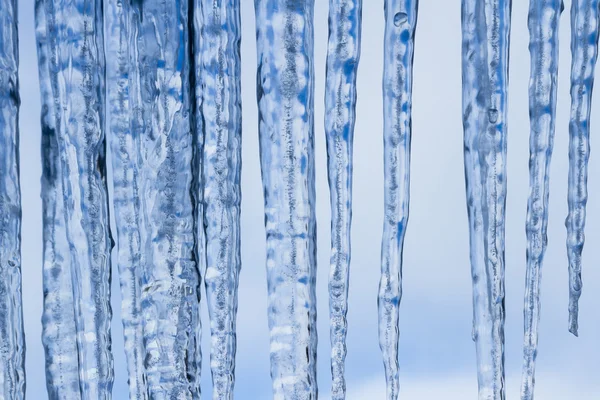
{"points": [[486, 33], [74, 58], [286, 125], [12, 349], [345, 24], [584, 50], [220, 80], [544, 17], [152, 157], [400, 25], [124, 138]]}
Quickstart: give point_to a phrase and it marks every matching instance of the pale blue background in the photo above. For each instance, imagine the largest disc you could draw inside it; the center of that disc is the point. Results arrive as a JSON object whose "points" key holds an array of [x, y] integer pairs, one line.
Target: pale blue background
{"points": [[436, 353]]}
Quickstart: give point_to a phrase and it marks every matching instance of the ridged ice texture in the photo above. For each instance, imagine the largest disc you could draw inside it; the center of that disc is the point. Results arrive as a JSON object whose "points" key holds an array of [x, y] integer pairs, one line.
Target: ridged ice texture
{"points": [[343, 54], [77, 238], [12, 344], [584, 51], [286, 128], [486, 33], [151, 140], [124, 137], [400, 25], [544, 17], [220, 79], [59, 332]]}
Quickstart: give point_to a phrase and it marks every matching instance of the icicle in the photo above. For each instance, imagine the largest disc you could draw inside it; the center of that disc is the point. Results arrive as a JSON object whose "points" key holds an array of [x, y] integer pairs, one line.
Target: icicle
{"points": [[544, 17], [12, 354], [345, 24], [59, 333], [149, 97], [401, 20], [486, 32], [72, 53], [218, 24], [286, 105], [584, 49], [124, 137]]}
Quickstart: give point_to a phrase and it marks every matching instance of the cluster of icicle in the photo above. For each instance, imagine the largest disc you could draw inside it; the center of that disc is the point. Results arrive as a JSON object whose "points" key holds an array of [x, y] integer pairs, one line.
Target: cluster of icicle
{"points": [[158, 83]]}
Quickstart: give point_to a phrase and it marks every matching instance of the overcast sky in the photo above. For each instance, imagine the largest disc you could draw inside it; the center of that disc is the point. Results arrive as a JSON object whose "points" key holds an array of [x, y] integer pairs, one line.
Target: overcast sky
{"points": [[437, 356]]}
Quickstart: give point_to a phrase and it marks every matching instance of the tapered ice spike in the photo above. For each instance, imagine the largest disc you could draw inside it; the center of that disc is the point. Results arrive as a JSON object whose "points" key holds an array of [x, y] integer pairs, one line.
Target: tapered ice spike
{"points": [[12, 354], [486, 33], [218, 24], [400, 26], [544, 18], [286, 130], [345, 25], [584, 52]]}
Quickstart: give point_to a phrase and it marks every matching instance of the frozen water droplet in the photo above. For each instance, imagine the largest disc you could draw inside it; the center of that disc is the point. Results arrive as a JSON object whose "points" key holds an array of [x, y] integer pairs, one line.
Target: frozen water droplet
{"points": [[493, 115], [400, 18]]}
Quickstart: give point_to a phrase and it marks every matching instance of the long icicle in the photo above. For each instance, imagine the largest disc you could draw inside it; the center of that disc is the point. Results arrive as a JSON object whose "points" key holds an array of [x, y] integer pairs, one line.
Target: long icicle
{"points": [[220, 79], [159, 149], [12, 351], [400, 26], [343, 55], [59, 333], [75, 62], [584, 50], [124, 138], [544, 18], [286, 128], [486, 33]]}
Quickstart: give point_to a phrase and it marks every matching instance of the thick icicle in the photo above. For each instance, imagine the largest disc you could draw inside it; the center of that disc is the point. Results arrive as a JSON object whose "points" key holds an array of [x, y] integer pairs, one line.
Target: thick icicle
{"points": [[12, 349], [584, 49], [218, 24], [151, 140], [486, 33], [400, 25], [71, 49], [345, 24], [124, 138], [286, 125], [544, 17], [59, 333]]}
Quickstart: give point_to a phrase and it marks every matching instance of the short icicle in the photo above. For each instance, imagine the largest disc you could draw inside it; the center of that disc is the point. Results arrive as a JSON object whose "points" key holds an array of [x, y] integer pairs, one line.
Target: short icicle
{"points": [[72, 52], [286, 129], [400, 26], [544, 18], [343, 54], [12, 350], [584, 51], [486, 33]]}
